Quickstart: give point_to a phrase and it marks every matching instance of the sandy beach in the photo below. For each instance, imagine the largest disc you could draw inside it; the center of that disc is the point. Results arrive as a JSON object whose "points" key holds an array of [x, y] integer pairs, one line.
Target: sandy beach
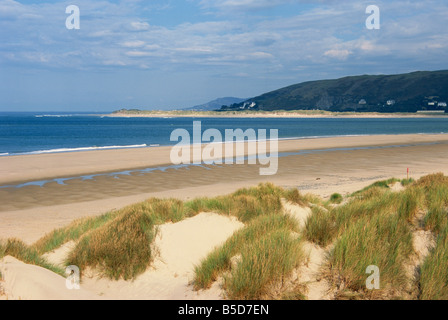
{"points": [[268, 114], [320, 166], [325, 166], [250, 152]]}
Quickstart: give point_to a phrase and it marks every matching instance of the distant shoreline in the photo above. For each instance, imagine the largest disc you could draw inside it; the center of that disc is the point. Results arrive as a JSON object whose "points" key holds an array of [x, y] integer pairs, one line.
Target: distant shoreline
{"points": [[266, 114]]}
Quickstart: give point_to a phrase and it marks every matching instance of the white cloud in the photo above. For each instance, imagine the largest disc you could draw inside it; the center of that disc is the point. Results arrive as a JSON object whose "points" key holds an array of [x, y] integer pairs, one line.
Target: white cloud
{"points": [[114, 63], [195, 49], [139, 26], [11, 9], [341, 54], [236, 5], [139, 54], [261, 55], [133, 44], [119, 34]]}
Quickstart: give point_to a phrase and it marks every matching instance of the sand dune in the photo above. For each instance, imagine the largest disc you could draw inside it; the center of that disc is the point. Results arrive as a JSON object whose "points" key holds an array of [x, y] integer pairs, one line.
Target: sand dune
{"points": [[29, 282], [180, 247], [30, 212]]}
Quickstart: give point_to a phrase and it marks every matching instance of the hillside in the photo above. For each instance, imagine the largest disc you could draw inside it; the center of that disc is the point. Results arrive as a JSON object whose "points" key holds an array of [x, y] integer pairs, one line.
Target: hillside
{"points": [[216, 104], [368, 93]]}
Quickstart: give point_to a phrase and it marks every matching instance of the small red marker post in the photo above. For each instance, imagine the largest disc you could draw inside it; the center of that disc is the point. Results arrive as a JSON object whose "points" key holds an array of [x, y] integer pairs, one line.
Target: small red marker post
{"points": [[408, 173]]}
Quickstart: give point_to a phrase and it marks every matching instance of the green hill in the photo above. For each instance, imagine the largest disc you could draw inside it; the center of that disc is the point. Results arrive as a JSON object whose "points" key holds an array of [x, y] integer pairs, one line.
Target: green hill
{"points": [[368, 93], [216, 104]]}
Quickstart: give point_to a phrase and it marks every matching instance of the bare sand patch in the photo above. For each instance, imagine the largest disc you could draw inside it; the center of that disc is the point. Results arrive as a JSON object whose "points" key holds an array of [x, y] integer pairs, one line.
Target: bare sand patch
{"points": [[397, 187], [423, 243], [180, 247], [58, 256], [311, 273], [297, 212], [28, 282]]}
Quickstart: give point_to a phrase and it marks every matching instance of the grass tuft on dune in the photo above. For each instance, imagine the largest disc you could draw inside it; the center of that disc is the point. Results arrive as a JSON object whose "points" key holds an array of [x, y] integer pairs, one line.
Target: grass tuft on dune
{"points": [[434, 272], [118, 243], [267, 252], [244, 204], [19, 250], [74, 231], [118, 249], [384, 241], [373, 227]]}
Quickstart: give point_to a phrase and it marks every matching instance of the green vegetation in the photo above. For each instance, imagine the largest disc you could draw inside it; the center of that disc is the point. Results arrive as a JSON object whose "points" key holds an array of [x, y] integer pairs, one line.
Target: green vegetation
{"points": [[250, 113], [410, 93], [19, 250], [268, 260], [193, 113], [436, 188], [324, 226], [268, 253], [375, 226], [216, 104], [436, 219], [379, 184], [320, 227], [119, 249], [384, 241], [72, 232], [406, 182], [336, 198], [434, 272], [294, 196], [118, 243], [411, 203], [245, 204], [266, 247]]}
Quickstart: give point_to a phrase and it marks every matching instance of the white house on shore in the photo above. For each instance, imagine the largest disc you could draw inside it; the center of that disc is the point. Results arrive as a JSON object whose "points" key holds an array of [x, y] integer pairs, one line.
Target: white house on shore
{"points": [[390, 102], [248, 105]]}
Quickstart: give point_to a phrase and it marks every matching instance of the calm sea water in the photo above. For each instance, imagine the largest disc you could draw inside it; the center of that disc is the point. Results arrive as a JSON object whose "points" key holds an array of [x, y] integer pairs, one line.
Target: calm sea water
{"points": [[24, 133]]}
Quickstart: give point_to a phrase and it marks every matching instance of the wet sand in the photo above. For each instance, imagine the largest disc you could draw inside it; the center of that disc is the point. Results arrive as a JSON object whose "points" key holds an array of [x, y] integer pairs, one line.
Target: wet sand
{"points": [[329, 166], [24, 168]]}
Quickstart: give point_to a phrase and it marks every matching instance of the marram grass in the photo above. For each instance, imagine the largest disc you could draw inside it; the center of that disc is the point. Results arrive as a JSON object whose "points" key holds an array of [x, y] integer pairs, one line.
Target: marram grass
{"points": [[118, 243], [373, 227], [269, 259], [384, 241], [72, 232], [118, 249], [320, 227], [268, 253], [434, 272], [19, 250]]}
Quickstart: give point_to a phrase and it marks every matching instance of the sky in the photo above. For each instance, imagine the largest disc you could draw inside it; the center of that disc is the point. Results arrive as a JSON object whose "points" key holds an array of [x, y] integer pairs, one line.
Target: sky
{"points": [[172, 54]]}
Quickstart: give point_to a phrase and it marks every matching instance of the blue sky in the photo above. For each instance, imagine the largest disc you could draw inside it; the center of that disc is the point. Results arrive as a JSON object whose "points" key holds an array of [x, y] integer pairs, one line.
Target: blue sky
{"points": [[179, 53]]}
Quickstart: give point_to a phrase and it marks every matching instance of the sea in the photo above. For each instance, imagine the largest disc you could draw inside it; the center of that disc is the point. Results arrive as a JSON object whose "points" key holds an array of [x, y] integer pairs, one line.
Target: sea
{"points": [[43, 132]]}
